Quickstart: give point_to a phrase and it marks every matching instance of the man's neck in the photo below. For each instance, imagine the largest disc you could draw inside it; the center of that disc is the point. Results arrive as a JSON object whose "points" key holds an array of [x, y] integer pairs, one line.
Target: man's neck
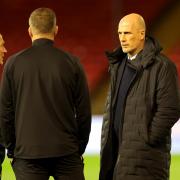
{"points": [[43, 36]]}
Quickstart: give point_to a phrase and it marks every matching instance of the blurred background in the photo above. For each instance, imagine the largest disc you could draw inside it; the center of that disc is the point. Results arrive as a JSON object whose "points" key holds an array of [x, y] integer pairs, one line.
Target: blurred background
{"points": [[87, 28]]}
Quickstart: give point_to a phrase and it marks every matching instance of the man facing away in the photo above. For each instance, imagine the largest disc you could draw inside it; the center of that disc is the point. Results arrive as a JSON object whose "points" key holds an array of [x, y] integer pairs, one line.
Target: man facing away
{"points": [[2, 149], [45, 108], [142, 106]]}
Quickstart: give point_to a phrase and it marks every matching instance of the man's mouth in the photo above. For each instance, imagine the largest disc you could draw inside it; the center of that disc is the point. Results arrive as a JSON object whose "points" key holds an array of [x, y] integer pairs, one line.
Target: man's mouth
{"points": [[124, 45]]}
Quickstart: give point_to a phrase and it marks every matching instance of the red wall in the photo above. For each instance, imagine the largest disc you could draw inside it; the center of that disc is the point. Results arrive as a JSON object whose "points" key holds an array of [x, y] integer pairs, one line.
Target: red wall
{"points": [[84, 28]]}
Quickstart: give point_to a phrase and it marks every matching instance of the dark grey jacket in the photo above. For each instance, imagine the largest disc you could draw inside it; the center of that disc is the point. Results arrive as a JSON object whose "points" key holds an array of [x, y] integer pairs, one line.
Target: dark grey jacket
{"points": [[152, 107], [45, 106]]}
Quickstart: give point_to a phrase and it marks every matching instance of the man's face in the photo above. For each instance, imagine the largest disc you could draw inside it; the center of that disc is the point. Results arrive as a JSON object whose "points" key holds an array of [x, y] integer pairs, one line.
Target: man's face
{"points": [[130, 38], [2, 49]]}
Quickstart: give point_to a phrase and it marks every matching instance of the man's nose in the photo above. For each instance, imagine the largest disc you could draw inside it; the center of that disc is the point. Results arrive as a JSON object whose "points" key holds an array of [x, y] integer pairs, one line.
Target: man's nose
{"points": [[122, 38]]}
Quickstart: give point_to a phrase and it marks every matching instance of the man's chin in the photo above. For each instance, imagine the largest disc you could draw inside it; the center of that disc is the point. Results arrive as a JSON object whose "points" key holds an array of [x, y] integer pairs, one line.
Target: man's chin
{"points": [[125, 50]]}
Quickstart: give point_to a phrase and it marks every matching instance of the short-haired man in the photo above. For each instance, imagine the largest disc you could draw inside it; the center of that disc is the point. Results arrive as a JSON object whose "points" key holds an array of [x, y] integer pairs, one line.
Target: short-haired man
{"points": [[142, 106], [2, 149], [45, 107]]}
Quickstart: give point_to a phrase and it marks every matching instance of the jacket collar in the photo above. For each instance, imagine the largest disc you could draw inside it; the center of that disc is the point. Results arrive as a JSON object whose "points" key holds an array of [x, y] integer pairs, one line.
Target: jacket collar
{"points": [[151, 49], [115, 56], [146, 56], [42, 41]]}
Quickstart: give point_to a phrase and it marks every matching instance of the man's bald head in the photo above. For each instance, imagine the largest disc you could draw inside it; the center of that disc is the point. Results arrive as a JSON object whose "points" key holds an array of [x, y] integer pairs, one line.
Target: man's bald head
{"points": [[131, 32], [136, 20]]}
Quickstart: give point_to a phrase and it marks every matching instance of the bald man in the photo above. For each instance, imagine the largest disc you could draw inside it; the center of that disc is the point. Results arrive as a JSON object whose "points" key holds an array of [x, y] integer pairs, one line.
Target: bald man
{"points": [[2, 149], [142, 106]]}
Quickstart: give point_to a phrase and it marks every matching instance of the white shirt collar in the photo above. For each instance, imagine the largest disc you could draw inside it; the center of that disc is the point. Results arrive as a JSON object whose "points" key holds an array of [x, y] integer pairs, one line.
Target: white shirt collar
{"points": [[133, 57]]}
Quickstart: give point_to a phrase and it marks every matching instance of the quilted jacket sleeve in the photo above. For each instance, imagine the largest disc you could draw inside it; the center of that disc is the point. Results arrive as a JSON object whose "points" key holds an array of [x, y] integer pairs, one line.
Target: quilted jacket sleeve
{"points": [[167, 107]]}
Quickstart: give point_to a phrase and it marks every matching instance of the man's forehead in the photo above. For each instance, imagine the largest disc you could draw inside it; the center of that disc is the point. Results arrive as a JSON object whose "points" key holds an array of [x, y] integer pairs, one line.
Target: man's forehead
{"points": [[125, 25]]}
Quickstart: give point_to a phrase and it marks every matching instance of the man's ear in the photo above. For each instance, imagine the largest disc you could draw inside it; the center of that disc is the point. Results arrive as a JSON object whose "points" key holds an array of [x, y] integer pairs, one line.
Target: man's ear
{"points": [[142, 34], [30, 32], [56, 30]]}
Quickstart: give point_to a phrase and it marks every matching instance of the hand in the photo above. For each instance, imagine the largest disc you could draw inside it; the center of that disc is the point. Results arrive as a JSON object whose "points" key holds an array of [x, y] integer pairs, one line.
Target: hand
{"points": [[10, 154]]}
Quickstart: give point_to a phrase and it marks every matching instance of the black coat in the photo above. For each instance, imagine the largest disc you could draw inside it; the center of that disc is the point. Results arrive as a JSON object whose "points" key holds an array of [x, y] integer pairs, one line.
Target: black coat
{"points": [[45, 106], [151, 108]]}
